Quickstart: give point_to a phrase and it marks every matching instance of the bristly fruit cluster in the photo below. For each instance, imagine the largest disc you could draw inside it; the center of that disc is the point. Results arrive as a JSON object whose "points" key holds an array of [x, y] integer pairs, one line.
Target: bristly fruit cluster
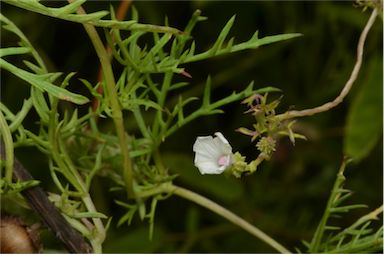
{"points": [[210, 152], [267, 129]]}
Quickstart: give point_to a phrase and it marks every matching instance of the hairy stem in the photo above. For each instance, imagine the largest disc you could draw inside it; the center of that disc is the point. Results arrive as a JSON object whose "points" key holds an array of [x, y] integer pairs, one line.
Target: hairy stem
{"points": [[117, 114], [347, 87]]}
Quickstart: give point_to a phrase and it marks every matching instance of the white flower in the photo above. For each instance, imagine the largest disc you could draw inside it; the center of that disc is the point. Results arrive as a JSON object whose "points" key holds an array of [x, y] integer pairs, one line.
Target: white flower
{"points": [[213, 155]]}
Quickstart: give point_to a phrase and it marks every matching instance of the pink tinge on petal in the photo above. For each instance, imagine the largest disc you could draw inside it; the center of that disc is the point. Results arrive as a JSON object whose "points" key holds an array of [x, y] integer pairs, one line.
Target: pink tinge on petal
{"points": [[223, 160]]}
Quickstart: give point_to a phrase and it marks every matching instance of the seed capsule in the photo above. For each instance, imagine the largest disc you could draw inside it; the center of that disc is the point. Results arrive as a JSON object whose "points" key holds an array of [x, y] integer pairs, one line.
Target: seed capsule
{"points": [[16, 237]]}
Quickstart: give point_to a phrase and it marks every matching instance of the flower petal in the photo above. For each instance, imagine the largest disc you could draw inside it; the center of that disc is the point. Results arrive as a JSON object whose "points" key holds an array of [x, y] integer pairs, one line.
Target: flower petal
{"points": [[221, 137], [209, 150], [207, 145], [210, 167]]}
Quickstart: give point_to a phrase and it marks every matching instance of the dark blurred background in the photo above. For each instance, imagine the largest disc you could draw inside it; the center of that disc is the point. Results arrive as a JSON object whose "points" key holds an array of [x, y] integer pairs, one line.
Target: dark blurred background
{"points": [[287, 195]]}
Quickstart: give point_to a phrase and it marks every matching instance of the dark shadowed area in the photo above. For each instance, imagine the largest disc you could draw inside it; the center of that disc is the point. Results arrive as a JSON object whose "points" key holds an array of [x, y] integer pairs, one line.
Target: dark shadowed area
{"points": [[287, 195]]}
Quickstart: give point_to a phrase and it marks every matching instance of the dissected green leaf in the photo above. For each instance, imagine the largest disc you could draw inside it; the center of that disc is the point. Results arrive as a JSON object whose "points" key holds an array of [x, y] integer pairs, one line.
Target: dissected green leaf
{"points": [[27, 105], [89, 215], [14, 51], [207, 93], [252, 43], [223, 35], [40, 104], [255, 42], [36, 69], [40, 82], [133, 103], [70, 8], [92, 18], [85, 18]]}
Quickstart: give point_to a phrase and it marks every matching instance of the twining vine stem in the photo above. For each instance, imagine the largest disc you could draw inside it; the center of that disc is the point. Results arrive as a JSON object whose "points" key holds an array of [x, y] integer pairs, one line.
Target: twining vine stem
{"points": [[347, 87], [216, 208]]}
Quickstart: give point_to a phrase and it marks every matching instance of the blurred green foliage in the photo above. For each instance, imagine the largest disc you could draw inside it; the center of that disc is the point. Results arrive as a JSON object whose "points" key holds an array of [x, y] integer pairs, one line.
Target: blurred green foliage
{"points": [[288, 194], [362, 133]]}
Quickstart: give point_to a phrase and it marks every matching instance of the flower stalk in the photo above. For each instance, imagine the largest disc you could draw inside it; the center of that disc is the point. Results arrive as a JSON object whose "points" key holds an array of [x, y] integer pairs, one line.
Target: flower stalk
{"points": [[216, 208]]}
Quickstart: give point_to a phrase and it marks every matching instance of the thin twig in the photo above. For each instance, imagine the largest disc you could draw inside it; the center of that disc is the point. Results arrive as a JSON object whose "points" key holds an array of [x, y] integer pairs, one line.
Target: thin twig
{"points": [[347, 87], [38, 201], [123, 9]]}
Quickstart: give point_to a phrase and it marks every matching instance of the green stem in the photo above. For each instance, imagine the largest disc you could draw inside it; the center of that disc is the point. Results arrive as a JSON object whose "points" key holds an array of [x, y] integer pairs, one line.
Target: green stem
{"points": [[158, 161], [211, 108], [98, 237], [370, 216], [65, 164], [159, 122], [362, 220], [140, 122], [8, 143], [159, 126], [124, 51], [97, 241], [316, 241], [19, 33], [117, 114], [216, 208], [93, 18]]}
